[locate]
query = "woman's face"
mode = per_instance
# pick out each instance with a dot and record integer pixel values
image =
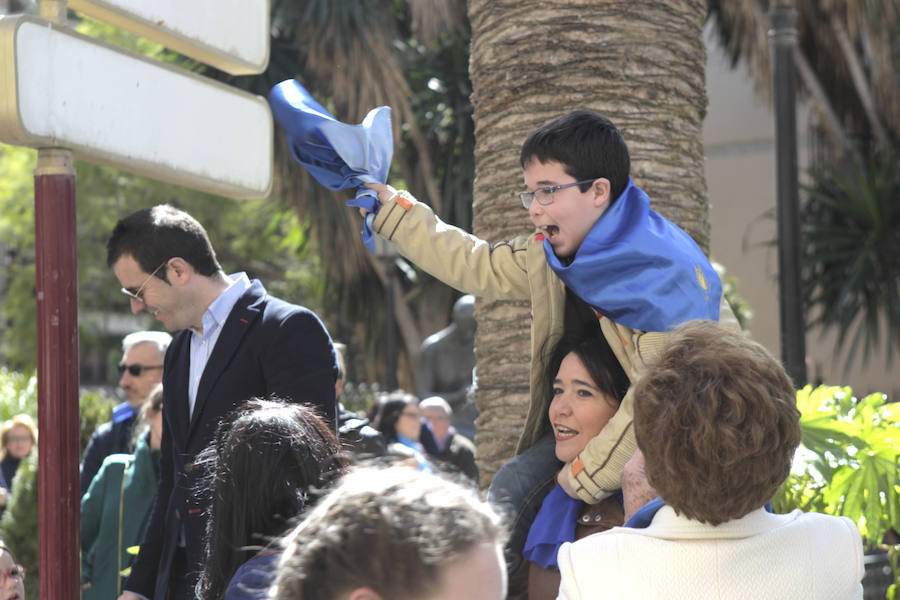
(578, 409)
(19, 442)
(409, 422)
(13, 582)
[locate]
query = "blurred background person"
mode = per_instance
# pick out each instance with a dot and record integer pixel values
(116, 507)
(141, 369)
(13, 576)
(400, 422)
(18, 436)
(453, 449)
(268, 461)
(716, 419)
(394, 534)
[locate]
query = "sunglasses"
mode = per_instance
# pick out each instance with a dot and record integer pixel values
(136, 370)
(14, 572)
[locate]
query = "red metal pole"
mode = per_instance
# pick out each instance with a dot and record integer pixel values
(56, 258)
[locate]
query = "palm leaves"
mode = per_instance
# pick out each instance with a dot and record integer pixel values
(849, 463)
(852, 253)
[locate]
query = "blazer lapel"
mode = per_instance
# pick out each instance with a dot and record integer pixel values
(236, 326)
(178, 395)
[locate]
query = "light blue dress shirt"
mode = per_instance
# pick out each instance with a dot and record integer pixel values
(213, 319)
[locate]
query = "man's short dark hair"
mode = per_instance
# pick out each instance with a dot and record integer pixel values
(391, 530)
(716, 418)
(587, 144)
(153, 235)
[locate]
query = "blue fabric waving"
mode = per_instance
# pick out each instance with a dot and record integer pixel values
(641, 270)
(338, 155)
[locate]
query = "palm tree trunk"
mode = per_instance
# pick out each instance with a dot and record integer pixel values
(642, 63)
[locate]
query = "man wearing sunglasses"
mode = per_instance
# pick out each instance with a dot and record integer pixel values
(232, 341)
(140, 370)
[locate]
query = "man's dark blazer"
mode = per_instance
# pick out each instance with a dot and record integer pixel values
(267, 347)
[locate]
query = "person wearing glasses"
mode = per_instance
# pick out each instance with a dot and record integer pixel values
(234, 341)
(13, 576)
(598, 254)
(18, 436)
(400, 422)
(140, 371)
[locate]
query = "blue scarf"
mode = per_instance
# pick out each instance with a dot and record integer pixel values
(639, 269)
(553, 526)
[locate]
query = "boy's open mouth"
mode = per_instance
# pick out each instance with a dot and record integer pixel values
(550, 230)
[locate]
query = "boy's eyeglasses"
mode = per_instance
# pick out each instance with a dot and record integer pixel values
(544, 196)
(14, 572)
(139, 294)
(136, 370)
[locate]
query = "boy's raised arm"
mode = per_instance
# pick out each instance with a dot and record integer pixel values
(454, 256)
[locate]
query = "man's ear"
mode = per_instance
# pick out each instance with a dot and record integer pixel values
(601, 189)
(179, 271)
(363, 593)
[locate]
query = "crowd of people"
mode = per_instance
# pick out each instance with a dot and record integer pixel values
(656, 435)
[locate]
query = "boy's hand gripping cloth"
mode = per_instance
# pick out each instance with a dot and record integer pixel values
(640, 270)
(338, 155)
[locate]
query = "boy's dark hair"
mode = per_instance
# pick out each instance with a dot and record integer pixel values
(587, 144)
(154, 235)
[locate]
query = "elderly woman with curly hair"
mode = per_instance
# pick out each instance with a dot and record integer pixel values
(715, 417)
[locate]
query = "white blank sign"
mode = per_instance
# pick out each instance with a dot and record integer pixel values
(232, 35)
(114, 107)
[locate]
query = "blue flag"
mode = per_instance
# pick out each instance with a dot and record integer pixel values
(338, 155)
(641, 270)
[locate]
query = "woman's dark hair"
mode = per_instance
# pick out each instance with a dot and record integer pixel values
(268, 461)
(389, 413)
(597, 357)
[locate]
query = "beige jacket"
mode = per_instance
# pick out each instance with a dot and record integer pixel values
(517, 270)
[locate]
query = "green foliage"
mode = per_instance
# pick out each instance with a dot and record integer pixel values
(849, 461)
(851, 263)
(18, 394)
(19, 524)
(93, 410)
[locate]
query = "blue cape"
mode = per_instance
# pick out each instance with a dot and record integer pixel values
(338, 155)
(641, 270)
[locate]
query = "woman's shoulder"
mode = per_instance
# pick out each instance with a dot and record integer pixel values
(252, 579)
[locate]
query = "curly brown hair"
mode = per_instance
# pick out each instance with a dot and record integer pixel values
(716, 418)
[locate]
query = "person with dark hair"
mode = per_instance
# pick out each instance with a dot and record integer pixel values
(116, 507)
(394, 534)
(585, 386)
(234, 342)
(13, 587)
(400, 422)
(268, 462)
(140, 371)
(717, 422)
(599, 257)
